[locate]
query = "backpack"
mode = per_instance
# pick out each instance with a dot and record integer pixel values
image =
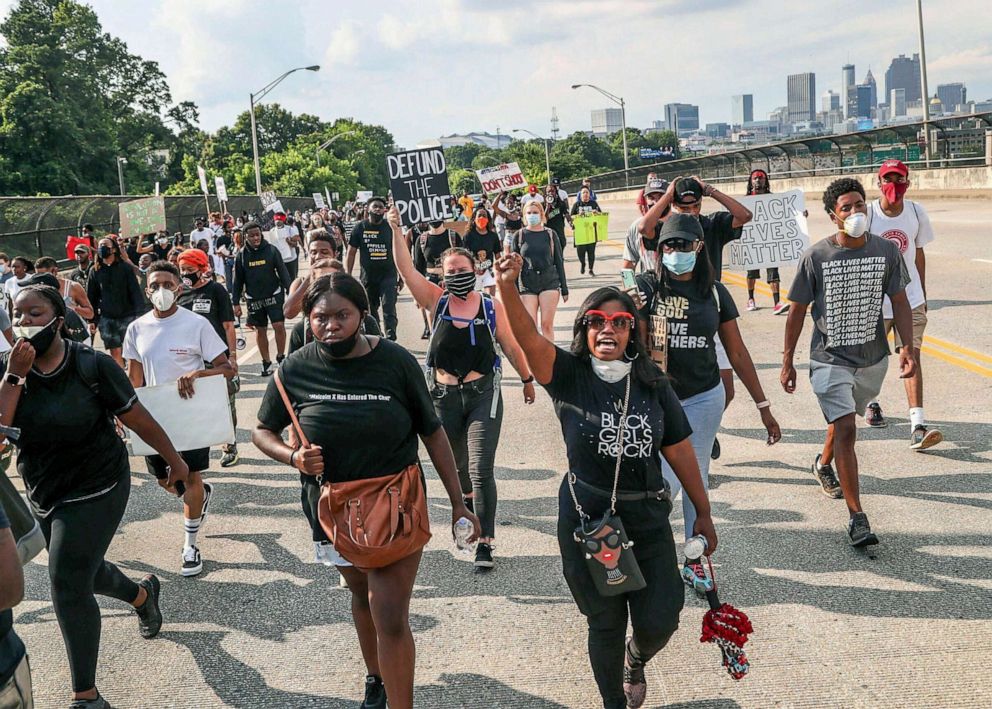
(75, 326)
(86, 365)
(519, 241)
(489, 308)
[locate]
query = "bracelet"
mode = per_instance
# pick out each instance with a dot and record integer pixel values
(766, 404)
(528, 380)
(291, 455)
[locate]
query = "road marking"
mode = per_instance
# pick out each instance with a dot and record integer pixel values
(982, 260)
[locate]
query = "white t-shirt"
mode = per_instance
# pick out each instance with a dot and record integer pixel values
(539, 198)
(909, 231)
(197, 234)
(634, 251)
(11, 289)
(279, 237)
(171, 347)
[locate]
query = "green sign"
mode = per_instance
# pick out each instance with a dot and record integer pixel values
(142, 216)
(591, 228)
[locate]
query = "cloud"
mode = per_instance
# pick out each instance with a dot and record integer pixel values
(343, 45)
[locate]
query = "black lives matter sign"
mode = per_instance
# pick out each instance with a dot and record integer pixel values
(418, 180)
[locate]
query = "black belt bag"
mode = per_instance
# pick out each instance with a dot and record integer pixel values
(604, 543)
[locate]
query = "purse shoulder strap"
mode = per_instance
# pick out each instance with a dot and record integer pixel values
(289, 409)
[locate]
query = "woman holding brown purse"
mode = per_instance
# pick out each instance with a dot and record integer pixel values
(373, 502)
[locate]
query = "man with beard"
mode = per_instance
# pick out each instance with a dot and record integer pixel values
(261, 275)
(373, 240)
(84, 266)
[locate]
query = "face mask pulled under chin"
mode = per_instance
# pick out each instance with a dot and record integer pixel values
(610, 371)
(341, 348)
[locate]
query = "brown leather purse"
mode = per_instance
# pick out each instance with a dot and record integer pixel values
(374, 522)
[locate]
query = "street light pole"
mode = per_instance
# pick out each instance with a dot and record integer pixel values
(547, 152)
(333, 138)
(252, 99)
(923, 81)
(120, 173)
(623, 120)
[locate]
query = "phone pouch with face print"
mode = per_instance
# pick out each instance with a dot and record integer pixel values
(609, 556)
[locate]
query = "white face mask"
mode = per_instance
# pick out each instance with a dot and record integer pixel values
(856, 225)
(162, 299)
(610, 371)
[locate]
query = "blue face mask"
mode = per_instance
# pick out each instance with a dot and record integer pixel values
(679, 262)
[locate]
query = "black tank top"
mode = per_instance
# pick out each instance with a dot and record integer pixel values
(461, 350)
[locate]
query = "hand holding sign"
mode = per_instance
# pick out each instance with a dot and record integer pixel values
(418, 181)
(393, 217)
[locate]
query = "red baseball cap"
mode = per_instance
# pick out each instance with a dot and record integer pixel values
(893, 166)
(279, 216)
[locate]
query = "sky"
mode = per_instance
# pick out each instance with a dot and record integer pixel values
(427, 68)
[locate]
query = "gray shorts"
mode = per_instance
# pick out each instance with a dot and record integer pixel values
(846, 390)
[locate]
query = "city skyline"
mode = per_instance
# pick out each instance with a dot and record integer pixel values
(214, 56)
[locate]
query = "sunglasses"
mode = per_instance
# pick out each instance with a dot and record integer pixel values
(597, 319)
(679, 245)
(611, 541)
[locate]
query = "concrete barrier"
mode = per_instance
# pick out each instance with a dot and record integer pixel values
(964, 182)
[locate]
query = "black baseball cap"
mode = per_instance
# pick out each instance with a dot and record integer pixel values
(681, 226)
(688, 191)
(376, 198)
(655, 185)
(39, 279)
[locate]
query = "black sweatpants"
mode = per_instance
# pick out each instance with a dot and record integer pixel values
(382, 291)
(587, 251)
(78, 535)
(653, 611)
(474, 436)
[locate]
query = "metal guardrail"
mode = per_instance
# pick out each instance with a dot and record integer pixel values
(38, 226)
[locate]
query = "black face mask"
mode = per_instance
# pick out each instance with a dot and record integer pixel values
(190, 279)
(435, 225)
(341, 348)
(42, 341)
(105, 252)
(375, 217)
(460, 284)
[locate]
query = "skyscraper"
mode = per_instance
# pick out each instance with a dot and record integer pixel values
(951, 96)
(847, 93)
(870, 81)
(682, 117)
(802, 97)
(606, 121)
(897, 103)
(864, 106)
(742, 109)
(830, 101)
(904, 73)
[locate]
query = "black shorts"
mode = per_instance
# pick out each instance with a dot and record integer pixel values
(262, 311)
(112, 331)
(198, 460)
(770, 273)
(536, 282)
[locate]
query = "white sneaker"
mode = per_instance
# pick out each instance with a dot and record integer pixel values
(31, 544)
(751, 305)
(192, 562)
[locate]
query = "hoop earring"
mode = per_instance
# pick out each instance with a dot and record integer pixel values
(626, 352)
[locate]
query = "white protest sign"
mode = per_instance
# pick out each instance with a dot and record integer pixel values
(201, 421)
(335, 195)
(418, 181)
(267, 198)
(501, 178)
(203, 178)
(318, 200)
(363, 196)
(776, 236)
(274, 207)
(221, 188)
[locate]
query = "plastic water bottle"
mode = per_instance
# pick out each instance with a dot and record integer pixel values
(463, 530)
(695, 547)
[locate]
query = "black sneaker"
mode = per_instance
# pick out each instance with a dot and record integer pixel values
(375, 693)
(873, 416)
(921, 439)
(266, 368)
(192, 562)
(860, 532)
(230, 457)
(98, 703)
(635, 685)
(715, 453)
(149, 614)
(483, 557)
(426, 334)
(208, 494)
(827, 479)
(391, 335)
(280, 358)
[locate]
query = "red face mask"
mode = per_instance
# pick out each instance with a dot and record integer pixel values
(894, 191)
(482, 222)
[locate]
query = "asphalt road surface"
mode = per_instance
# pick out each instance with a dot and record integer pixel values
(265, 627)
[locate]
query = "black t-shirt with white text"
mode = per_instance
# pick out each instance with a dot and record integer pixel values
(692, 323)
(484, 247)
(375, 249)
(365, 413)
(212, 302)
(69, 447)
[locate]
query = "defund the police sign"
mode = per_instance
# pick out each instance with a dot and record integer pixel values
(418, 180)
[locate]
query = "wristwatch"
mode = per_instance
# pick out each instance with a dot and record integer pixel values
(13, 379)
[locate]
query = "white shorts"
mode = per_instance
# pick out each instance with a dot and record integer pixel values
(722, 361)
(486, 280)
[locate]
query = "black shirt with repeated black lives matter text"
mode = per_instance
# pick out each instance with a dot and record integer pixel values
(591, 411)
(718, 231)
(375, 249)
(484, 247)
(846, 288)
(692, 321)
(365, 413)
(212, 302)
(69, 448)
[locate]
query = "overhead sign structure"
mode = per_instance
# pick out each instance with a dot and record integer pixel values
(501, 178)
(142, 216)
(649, 153)
(777, 234)
(418, 180)
(221, 188)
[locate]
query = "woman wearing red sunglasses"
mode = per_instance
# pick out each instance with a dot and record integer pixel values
(619, 416)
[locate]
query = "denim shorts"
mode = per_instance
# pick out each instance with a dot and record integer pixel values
(533, 282)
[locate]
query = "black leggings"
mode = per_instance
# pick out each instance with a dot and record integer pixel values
(474, 436)
(587, 250)
(78, 535)
(653, 611)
